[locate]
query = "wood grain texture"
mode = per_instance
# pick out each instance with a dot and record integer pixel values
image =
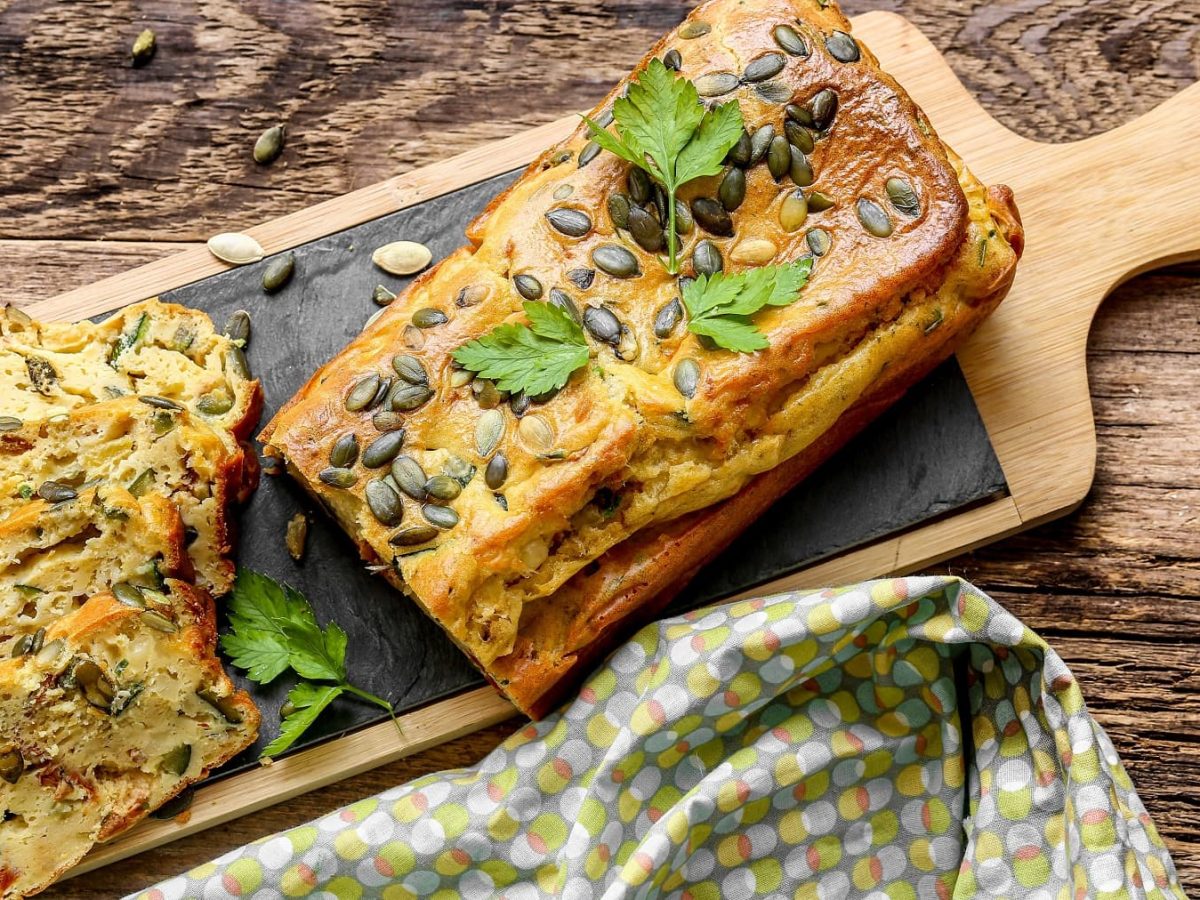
(91, 149)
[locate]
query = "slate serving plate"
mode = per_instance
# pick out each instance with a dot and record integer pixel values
(927, 456)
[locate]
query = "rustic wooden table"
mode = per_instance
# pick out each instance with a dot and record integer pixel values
(104, 167)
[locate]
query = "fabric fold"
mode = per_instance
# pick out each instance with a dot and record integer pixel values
(902, 738)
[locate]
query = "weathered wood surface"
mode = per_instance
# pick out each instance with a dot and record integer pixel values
(149, 158)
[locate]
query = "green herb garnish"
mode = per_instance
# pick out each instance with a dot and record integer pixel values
(536, 358)
(273, 629)
(664, 129)
(720, 306)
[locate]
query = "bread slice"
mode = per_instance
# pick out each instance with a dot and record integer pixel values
(117, 711)
(620, 453)
(148, 447)
(148, 348)
(53, 556)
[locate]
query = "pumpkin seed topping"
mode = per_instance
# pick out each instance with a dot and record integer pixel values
(618, 208)
(712, 216)
(668, 319)
(402, 257)
(439, 516)
(410, 537)
(800, 169)
(269, 145)
(687, 377)
(799, 136)
(12, 764)
(216, 403)
(563, 301)
(616, 261)
(822, 109)
(428, 317)
(410, 369)
(237, 328)
(645, 230)
(563, 191)
(794, 211)
(673, 60)
(790, 41)
(582, 278)
(766, 66)
(409, 476)
(760, 143)
(344, 452)
(873, 218)
(383, 449)
(471, 295)
(528, 287)
(443, 487)
(779, 157)
(406, 397)
(706, 259)
(602, 324)
(384, 503)
(902, 197)
(819, 202)
(716, 84)
(488, 432)
(536, 434)
(818, 241)
(56, 492)
(362, 394)
(732, 191)
(590, 151)
(338, 477)
(842, 47)
(693, 30)
(740, 154)
(571, 222)
(496, 472)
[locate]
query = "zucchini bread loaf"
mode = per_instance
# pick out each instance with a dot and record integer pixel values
(114, 710)
(530, 527)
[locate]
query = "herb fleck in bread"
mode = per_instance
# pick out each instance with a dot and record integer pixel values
(911, 252)
(53, 556)
(117, 711)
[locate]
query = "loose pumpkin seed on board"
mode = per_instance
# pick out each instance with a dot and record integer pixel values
(402, 257)
(235, 248)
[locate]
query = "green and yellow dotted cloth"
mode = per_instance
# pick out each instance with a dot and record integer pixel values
(902, 739)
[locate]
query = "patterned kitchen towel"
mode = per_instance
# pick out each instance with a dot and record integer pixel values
(906, 738)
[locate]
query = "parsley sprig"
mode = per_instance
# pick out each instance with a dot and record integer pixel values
(536, 358)
(273, 629)
(719, 306)
(664, 129)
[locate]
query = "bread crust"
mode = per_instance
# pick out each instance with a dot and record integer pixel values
(620, 426)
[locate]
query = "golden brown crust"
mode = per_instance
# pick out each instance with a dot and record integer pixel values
(620, 428)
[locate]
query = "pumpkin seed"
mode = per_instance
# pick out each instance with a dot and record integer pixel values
(460, 378)
(413, 339)
(21, 646)
(236, 362)
(269, 145)
(732, 191)
(443, 487)
(558, 158)
(215, 404)
(799, 136)
(410, 537)
(226, 706)
(235, 249)
(618, 209)
(471, 295)
(159, 622)
(50, 652)
(873, 218)
(383, 449)
(800, 170)
(818, 202)
(410, 369)
(428, 317)
(639, 186)
(402, 257)
(459, 469)
(237, 328)
(773, 91)
(646, 230)
(684, 222)
(344, 452)
(176, 762)
(439, 516)
(501, 501)
(387, 420)
(712, 216)
(384, 503)
(563, 191)
(692, 30)
(571, 222)
(94, 685)
(935, 320)
(706, 259)
(842, 47)
(822, 109)
(129, 595)
(590, 151)
(38, 639)
(42, 374)
(519, 404)
(486, 393)
(405, 397)
(410, 477)
(602, 324)
(536, 434)
(902, 196)
(616, 261)
(12, 764)
(563, 301)
(528, 287)
(140, 485)
(160, 402)
(496, 472)
(627, 347)
(382, 296)
(740, 154)
(687, 377)
(801, 115)
(760, 143)
(295, 536)
(790, 41)
(756, 251)
(794, 211)
(779, 157)
(715, 84)
(143, 48)
(673, 60)
(582, 278)
(818, 241)
(362, 394)
(668, 318)
(56, 492)
(337, 476)
(488, 431)
(9, 423)
(766, 66)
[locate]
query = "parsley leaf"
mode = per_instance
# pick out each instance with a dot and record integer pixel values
(536, 358)
(663, 128)
(309, 701)
(273, 629)
(720, 306)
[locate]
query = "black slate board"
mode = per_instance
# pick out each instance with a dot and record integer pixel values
(927, 456)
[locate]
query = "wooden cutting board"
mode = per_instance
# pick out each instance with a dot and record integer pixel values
(1093, 219)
